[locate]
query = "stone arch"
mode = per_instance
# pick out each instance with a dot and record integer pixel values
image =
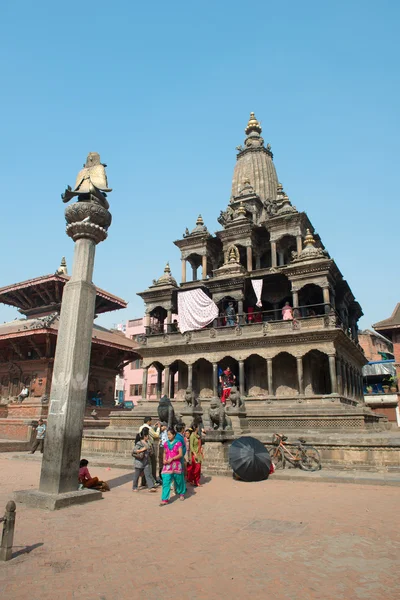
(179, 380)
(276, 291)
(222, 306)
(284, 248)
(316, 373)
(158, 316)
(255, 369)
(203, 378)
(195, 260)
(284, 375)
(311, 300)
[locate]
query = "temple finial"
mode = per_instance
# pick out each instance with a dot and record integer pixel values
(253, 125)
(62, 269)
(309, 239)
(167, 268)
(199, 220)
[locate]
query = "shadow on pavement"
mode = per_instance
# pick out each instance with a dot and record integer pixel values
(26, 549)
(121, 480)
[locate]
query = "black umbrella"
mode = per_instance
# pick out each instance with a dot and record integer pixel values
(249, 459)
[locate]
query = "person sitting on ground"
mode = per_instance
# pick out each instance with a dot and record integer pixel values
(172, 469)
(40, 435)
(93, 483)
(141, 454)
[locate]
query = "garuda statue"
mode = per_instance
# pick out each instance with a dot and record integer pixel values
(91, 182)
(218, 417)
(166, 412)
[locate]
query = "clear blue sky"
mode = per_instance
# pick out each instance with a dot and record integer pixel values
(163, 91)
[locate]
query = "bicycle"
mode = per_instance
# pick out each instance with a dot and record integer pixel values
(306, 457)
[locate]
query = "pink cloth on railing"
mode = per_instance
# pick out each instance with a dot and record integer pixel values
(257, 287)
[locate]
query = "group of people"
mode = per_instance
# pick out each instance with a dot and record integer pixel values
(178, 452)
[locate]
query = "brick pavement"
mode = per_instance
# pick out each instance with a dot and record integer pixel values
(290, 540)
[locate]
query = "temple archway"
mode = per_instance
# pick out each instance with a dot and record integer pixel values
(316, 373)
(255, 369)
(284, 375)
(157, 317)
(284, 248)
(195, 260)
(203, 378)
(179, 379)
(311, 300)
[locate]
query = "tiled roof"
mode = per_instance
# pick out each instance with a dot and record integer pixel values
(391, 322)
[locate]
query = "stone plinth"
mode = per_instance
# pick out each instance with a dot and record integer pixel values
(38, 499)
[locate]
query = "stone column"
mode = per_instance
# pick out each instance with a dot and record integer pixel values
(215, 380)
(169, 320)
(166, 381)
(194, 273)
(299, 243)
(147, 324)
(190, 376)
(295, 298)
(159, 383)
(183, 276)
(204, 267)
(269, 374)
(339, 376)
(144, 383)
(241, 319)
(332, 373)
(344, 379)
(274, 258)
(327, 299)
(258, 261)
(241, 378)
(300, 377)
(62, 449)
(249, 253)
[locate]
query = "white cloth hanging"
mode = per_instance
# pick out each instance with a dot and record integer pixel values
(257, 287)
(195, 310)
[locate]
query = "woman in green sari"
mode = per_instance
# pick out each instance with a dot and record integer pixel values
(195, 458)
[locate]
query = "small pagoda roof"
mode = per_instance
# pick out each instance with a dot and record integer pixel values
(387, 325)
(24, 328)
(42, 295)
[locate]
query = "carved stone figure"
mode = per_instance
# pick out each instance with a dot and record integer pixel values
(166, 411)
(218, 417)
(190, 398)
(91, 181)
(235, 398)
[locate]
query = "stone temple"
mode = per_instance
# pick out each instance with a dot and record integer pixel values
(292, 345)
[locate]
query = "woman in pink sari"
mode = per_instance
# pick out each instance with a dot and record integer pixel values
(172, 470)
(287, 312)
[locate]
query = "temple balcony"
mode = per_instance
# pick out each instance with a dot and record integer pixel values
(252, 325)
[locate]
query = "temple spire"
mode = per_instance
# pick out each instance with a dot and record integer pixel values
(62, 269)
(253, 125)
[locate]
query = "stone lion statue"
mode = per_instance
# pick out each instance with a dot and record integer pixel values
(166, 412)
(218, 417)
(235, 398)
(190, 398)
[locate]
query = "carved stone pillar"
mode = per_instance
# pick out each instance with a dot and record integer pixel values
(183, 276)
(194, 273)
(327, 299)
(204, 267)
(339, 376)
(300, 377)
(344, 379)
(159, 383)
(215, 380)
(241, 377)
(169, 320)
(299, 243)
(241, 319)
(190, 376)
(332, 373)
(144, 383)
(270, 390)
(295, 298)
(166, 381)
(258, 261)
(274, 258)
(147, 324)
(249, 253)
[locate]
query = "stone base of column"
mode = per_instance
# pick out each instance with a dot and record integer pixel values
(37, 499)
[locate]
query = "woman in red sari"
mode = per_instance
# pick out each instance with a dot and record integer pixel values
(195, 457)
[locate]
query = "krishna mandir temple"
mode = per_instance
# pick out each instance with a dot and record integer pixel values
(264, 297)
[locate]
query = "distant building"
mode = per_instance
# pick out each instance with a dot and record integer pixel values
(375, 346)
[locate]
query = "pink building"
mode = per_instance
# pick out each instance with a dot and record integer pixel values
(133, 373)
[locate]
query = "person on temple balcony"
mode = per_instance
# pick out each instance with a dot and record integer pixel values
(287, 312)
(258, 316)
(175, 326)
(230, 315)
(227, 380)
(250, 315)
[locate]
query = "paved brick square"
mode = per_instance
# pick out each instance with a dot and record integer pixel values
(292, 540)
